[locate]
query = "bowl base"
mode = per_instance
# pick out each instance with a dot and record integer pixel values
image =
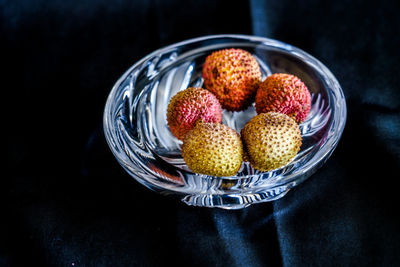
(235, 201)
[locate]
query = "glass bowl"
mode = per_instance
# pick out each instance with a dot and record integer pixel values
(136, 128)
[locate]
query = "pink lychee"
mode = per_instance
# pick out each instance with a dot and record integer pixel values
(189, 106)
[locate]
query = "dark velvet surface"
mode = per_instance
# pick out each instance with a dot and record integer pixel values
(65, 201)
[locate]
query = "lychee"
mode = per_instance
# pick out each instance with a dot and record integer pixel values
(271, 140)
(190, 105)
(213, 149)
(284, 93)
(233, 75)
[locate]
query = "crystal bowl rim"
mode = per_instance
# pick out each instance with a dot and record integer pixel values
(322, 154)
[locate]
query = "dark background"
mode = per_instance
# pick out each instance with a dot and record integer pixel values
(65, 201)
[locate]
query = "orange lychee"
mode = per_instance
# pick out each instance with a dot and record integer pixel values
(233, 75)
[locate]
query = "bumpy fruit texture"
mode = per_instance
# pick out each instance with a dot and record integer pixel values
(233, 75)
(284, 93)
(213, 149)
(189, 106)
(271, 140)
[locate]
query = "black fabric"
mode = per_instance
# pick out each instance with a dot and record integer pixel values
(65, 201)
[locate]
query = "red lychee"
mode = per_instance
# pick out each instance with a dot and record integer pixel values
(189, 106)
(284, 93)
(233, 75)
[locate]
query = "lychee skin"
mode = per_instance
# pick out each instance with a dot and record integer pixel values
(233, 75)
(213, 149)
(271, 140)
(284, 93)
(189, 106)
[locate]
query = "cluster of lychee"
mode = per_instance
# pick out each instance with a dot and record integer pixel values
(233, 81)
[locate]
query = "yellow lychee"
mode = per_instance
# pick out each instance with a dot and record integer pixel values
(271, 140)
(213, 149)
